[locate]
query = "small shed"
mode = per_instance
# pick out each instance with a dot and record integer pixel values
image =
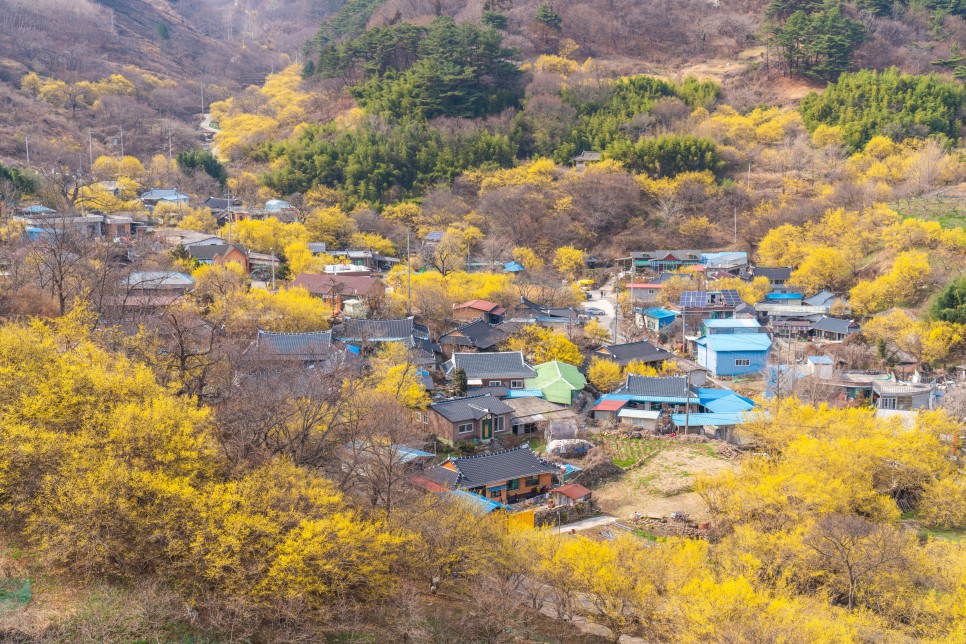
(570, 494)
(820, 366)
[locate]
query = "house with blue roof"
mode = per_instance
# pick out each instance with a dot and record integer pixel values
(784, 298)
(734, 354)
(654, 319)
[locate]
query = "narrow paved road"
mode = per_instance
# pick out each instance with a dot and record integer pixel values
(586, 524)
(605, 304)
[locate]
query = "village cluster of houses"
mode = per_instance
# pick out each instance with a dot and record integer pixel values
(508, 401)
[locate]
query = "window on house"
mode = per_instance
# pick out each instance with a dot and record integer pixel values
(499, 424)
(887, 403)
(495, 494)
(532, 481)
(742, 362)
(514, 484)
(516, 384)
(527, 428)
(495, 383)
(466, 428)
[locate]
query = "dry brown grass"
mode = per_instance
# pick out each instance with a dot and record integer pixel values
(663, 485)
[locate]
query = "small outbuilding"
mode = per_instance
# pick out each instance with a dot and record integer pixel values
(570, 494)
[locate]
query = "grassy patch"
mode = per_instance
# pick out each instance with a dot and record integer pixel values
(947, 535)
(626, 452)
(537, 444)
(949, 212)
(647, 536)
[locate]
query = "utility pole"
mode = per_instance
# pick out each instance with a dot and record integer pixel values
(26, 141)
(229, 216)
(409, 276)
(684, 341)
(169, 145)
(687, 403)
(617, 317)
(736, 224)
(90, 145)
(121, 129)
(273, 269)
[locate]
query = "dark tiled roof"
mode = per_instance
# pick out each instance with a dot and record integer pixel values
(833, 325)
(477, 471)
(294, 346)
(547, 311)
(657, 386)
(353, 330)
(209, 251)
(477, 334)
(480, 366)
(625, 353)
(443, 476)
(470, 408)
(772, 273)
(220, 203)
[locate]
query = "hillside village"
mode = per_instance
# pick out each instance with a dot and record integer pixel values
(492, 321)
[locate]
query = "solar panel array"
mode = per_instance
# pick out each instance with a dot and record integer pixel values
(731, 297)
(692, 299)
(699, 299)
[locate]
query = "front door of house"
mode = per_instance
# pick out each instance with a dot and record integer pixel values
(487, 428)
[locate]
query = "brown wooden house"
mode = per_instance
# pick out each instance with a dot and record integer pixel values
(479, 309)
(335, 288)
(470, 418)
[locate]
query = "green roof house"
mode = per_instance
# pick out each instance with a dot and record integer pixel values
(558, 381)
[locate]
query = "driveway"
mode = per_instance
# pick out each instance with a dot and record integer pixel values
(605, 304)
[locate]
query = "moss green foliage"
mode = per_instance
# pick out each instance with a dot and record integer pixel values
(379, 165)
(606, 117)
(816, 40)
(203, 160)
(897, 105)
(21, 182)
(447, 69)
(669, 155)
(950, 306)
(349, 21)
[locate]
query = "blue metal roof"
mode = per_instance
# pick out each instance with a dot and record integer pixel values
(724, 401)
(699, 420)
(736, 342)
(514, 267)
(658, 313)
(524, 393)
(476, 501)
(783, 296)
(820, 360)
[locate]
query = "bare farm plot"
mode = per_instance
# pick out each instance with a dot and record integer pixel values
(660, 479)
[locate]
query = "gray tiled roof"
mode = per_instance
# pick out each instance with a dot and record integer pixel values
(295, 346)
(657, 386)
(470, 408)
(625, 353)
(477, 471)
(353, 330)
(480, 366)
(477, 334)
(822, 298)
(773, 273)
(833, 325)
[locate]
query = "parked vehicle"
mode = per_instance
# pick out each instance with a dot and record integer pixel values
(593, 310)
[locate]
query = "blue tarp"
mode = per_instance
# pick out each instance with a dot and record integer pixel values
(513, 267)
